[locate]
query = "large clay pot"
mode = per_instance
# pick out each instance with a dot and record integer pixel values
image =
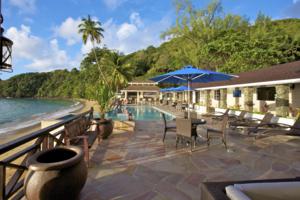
(106, 127)
(59, 173)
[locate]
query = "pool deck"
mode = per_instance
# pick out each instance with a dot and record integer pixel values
(135, 164)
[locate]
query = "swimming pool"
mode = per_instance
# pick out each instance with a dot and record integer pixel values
(147, 113)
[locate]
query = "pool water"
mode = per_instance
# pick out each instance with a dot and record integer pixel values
(138, 113)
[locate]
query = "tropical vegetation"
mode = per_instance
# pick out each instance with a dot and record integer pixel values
(206, 38)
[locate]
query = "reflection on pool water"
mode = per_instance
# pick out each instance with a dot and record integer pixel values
(138, 113)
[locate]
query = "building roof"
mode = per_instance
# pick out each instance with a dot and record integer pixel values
(142, 88)
(142, 81)
(273, 74)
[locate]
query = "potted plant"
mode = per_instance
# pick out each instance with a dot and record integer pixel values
(105, 96)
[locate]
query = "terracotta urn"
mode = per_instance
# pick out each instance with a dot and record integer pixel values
(106, 127)
(59, 173)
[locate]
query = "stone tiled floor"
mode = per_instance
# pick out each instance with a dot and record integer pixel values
(137, 165)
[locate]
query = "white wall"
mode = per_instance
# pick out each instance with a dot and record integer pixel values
(230, 98)
(294, 100)
(241, 100)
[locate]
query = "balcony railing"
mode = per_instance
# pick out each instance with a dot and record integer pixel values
(14, 155)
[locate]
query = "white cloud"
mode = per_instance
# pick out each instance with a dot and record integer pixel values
(136, 19)
(41, 55)
(25, 45)
(69, 30)
(53, 59)
(24, 5)
(86, 48)
(127, 37)
(126, 30)
(113, 4)
(135, 34)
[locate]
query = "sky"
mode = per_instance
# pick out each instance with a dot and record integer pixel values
(45, 32)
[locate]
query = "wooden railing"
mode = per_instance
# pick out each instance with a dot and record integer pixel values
(14, 155)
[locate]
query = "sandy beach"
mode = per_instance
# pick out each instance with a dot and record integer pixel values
(4, 138)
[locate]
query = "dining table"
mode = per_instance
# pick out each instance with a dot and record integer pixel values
(196, 122)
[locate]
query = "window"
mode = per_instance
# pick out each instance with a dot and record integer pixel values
(237, 93)
(217, 95)
(266, 93)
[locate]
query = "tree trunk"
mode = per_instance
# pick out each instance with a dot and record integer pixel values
(102, 116)
(97, 61)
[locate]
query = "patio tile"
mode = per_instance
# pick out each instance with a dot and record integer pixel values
(280, 166)
(148, 196)
(137, 165)
(170, 191)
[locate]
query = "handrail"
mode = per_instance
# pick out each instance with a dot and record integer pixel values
(24, 139)
(12, 187)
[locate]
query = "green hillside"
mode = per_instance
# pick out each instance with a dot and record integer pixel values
(232, 52)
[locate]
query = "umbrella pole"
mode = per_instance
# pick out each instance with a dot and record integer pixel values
(188, 107)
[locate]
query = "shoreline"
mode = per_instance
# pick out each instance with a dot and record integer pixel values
(9, 136)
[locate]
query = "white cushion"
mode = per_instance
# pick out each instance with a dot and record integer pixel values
(271, 191)
(235, 194)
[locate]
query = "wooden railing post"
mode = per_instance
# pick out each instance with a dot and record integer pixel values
(2, 182)
(50, 142)
(45, 143)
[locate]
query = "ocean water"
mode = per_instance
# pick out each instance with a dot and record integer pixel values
(20, 113)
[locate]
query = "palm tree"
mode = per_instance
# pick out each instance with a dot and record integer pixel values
(93, 31)
(120, 73)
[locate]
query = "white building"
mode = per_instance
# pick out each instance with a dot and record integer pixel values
(273, 89)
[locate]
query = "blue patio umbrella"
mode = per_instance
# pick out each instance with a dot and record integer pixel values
(190, 74)
(182, 88)
(167, 89)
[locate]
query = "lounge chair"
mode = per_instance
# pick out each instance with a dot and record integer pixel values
(295, 129)
(219, 190)
(216, 115)
(279, 129)
(218, 133)
(240, 117)
(253, 124)
(167, 127)
(184, 132)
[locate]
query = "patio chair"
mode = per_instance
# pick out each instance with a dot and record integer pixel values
(166, 126)
(220, 117)
(253, 125)
(218, 133)
(184, 131)
(193, 115)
